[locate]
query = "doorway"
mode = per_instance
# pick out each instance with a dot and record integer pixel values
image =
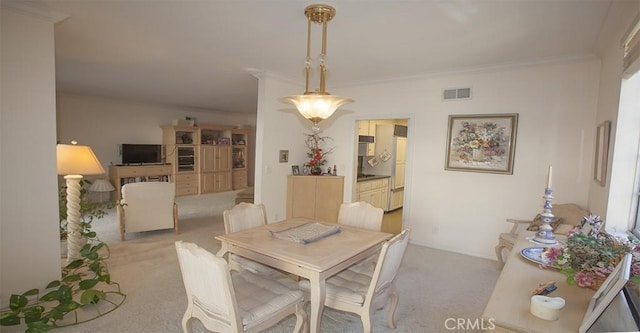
(381, 168)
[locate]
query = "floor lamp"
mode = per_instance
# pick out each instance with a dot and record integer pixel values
(74, 161)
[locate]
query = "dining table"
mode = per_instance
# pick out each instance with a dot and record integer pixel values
(316, 260)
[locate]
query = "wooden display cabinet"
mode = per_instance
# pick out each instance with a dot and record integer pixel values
(215, 158)
(180, 149)
(239, 155)
(215, 168)
(179, 135)
(207, 158)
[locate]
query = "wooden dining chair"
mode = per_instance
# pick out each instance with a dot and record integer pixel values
(361, 215)
(238, 302)
(361, 290)
(244, 216)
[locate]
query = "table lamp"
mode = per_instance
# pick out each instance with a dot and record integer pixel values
(101, 186)
(73, 162)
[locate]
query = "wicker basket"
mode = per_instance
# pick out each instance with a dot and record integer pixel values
(598, 282)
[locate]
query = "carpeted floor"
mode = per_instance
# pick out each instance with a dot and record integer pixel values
(434, 285)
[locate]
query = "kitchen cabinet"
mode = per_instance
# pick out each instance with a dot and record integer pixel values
(397, 199)
(315, 197)
(401, 158)
(363, 127)
(368, 128)
(374, 192)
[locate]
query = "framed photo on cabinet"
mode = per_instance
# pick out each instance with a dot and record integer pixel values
(482, 143)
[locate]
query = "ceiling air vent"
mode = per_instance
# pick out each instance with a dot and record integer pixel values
(460, 93)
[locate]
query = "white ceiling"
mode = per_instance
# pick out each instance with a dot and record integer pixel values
(196, 53)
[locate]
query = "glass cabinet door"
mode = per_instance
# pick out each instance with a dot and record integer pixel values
(186, 159)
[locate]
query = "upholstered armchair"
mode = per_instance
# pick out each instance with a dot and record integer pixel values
(147, 206)
(566, 217)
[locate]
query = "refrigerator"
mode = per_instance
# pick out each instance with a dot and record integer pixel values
(390, 160)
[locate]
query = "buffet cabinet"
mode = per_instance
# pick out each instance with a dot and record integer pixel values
(315, 197)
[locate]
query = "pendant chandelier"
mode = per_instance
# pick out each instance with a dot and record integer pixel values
(317, 105)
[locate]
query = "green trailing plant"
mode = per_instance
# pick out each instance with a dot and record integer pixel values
(85, 290)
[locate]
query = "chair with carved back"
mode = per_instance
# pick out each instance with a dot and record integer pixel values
(362, 289)
(244, 216)
(360, 215)
(226, 301)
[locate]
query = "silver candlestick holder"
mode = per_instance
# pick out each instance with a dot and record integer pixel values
(545, 234)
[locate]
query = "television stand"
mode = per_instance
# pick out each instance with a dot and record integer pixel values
(124, 174)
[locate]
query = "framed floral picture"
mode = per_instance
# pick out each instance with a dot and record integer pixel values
(482, 143)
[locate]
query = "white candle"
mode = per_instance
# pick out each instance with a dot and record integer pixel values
(549, 177)
(547, 308)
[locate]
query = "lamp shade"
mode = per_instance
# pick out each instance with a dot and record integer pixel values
(101, 185)
(77, 160)
(316, 107)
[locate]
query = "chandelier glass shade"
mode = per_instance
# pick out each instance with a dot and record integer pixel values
(317, 105)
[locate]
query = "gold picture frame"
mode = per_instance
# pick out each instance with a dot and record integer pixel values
(482, 143)
(602, 153)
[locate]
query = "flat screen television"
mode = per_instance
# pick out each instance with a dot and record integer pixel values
(141, 153)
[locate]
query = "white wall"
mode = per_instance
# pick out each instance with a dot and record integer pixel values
(615, 199)
(104, 123)
(461, 211)
(277, 129)
(29, 236)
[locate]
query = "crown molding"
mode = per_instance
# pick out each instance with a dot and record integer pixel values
(479, 69)
(34, 9)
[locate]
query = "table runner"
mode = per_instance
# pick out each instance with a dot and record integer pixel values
(306, 233)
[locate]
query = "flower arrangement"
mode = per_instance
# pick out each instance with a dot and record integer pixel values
(587, 260)
(488, 138)
(316, 154)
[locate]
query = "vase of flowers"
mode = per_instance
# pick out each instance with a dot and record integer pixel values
(587, 260)
(316, 152)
